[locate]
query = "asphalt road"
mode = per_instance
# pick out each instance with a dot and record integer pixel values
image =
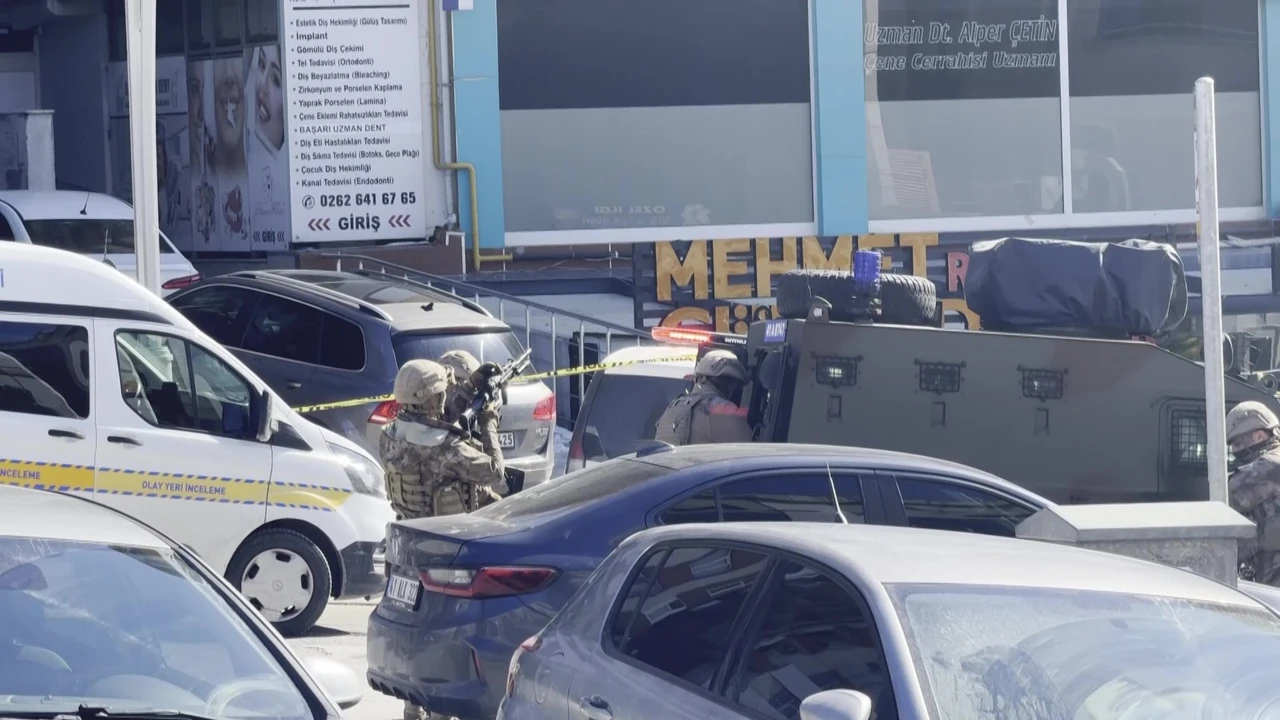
(340, 635)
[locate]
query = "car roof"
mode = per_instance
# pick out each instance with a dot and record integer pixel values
(32, 513)
(66, 205)
(45, 275)
(643, 355)
(401, 301)
(710, 455)
(895, 555)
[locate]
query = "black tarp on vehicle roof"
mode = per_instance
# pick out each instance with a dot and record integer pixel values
(1135, 287)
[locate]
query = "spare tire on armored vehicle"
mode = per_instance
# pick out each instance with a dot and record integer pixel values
(904, 299)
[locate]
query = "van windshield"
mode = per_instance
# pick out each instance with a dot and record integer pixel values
(88, 236)
(608, 433)
(130, 628)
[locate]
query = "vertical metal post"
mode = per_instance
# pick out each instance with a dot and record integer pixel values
(140, 34)
(1211, 288)
(528, 330)
(582, 362)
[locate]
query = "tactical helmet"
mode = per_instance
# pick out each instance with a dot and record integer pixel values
(462, 363)
(1248, 417)
(420, 380)
(721, 364)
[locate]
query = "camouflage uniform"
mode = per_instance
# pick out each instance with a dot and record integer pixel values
(432, 467)
(1254, 488)
(705, 414)
(461, 390)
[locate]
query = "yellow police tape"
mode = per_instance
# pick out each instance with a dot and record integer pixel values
(566, 372)
(154, 485)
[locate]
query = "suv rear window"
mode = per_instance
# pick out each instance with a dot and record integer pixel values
(573, 490)
(498, 347)
(87, 235)
(645, 398)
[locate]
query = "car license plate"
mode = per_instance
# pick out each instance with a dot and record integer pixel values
(403, 589)
(507, 440)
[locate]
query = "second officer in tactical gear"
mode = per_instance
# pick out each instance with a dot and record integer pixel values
(433, 466)
(461, 391)
(1253, 436)
(708, 412)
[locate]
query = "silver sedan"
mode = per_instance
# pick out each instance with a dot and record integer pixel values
(848, 622)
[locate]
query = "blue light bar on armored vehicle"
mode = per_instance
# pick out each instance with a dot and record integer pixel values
(866, 270)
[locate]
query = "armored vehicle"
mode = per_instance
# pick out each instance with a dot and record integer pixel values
(1061, 398)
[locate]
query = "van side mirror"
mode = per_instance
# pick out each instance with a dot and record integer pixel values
(836, 705)
(260, 410)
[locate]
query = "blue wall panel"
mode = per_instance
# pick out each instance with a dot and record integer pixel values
(1270, 41)
(477, 124)
(840, 118)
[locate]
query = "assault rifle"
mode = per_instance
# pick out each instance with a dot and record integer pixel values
(494, 390)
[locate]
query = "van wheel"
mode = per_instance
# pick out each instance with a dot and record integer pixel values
(285, 576)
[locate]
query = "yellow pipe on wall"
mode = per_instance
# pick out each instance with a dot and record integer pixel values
(476, 258)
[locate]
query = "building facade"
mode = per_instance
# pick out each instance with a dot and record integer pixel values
(723, 141)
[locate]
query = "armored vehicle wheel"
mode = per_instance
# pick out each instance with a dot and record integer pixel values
(908, 300)
(904, 299)
(798, 288)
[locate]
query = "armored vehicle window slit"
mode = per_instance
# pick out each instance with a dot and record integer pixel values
(940, 377)
(1189, 440)
(836, 371)
(1039, 384)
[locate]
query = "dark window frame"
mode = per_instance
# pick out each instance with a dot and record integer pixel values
(242, 318)
(605, 638)
(872, 512)
(364, 344)
(896, 506)
(248, 437)
(277, 296)
(760, 611)
(61, 323)
(748, 623)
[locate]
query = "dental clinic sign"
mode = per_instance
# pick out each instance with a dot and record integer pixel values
(941, 52)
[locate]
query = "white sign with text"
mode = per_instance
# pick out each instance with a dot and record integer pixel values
(356, 165)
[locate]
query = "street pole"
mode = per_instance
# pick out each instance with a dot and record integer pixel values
(140, 29)
(1215, 374)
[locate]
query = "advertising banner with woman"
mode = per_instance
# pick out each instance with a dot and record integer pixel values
(238, 172)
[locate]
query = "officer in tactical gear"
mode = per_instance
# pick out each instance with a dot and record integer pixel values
(708, 412)
(461, 391)
(433, 466)
(1253, 436)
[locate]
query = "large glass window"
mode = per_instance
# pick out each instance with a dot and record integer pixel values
(630, 114)
(965, 105)
(1133, 67)
(962, 108)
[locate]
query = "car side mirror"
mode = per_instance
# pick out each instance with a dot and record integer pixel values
(836, 705)
(261, 412)
(337, 680)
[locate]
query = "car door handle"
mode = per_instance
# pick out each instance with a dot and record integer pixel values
(595, 708)
(69, 434)
(122, 440)
(292, 384)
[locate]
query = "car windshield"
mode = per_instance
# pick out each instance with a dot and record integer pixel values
(496, 347)
(89, 236)
(131, 629)
(609, 433)
(1022, 653)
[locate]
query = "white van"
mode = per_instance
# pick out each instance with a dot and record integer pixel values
(91, 224)
(107, 392)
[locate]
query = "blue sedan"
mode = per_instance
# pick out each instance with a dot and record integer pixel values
(464, 591)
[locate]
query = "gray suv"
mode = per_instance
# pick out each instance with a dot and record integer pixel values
(323, 337)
